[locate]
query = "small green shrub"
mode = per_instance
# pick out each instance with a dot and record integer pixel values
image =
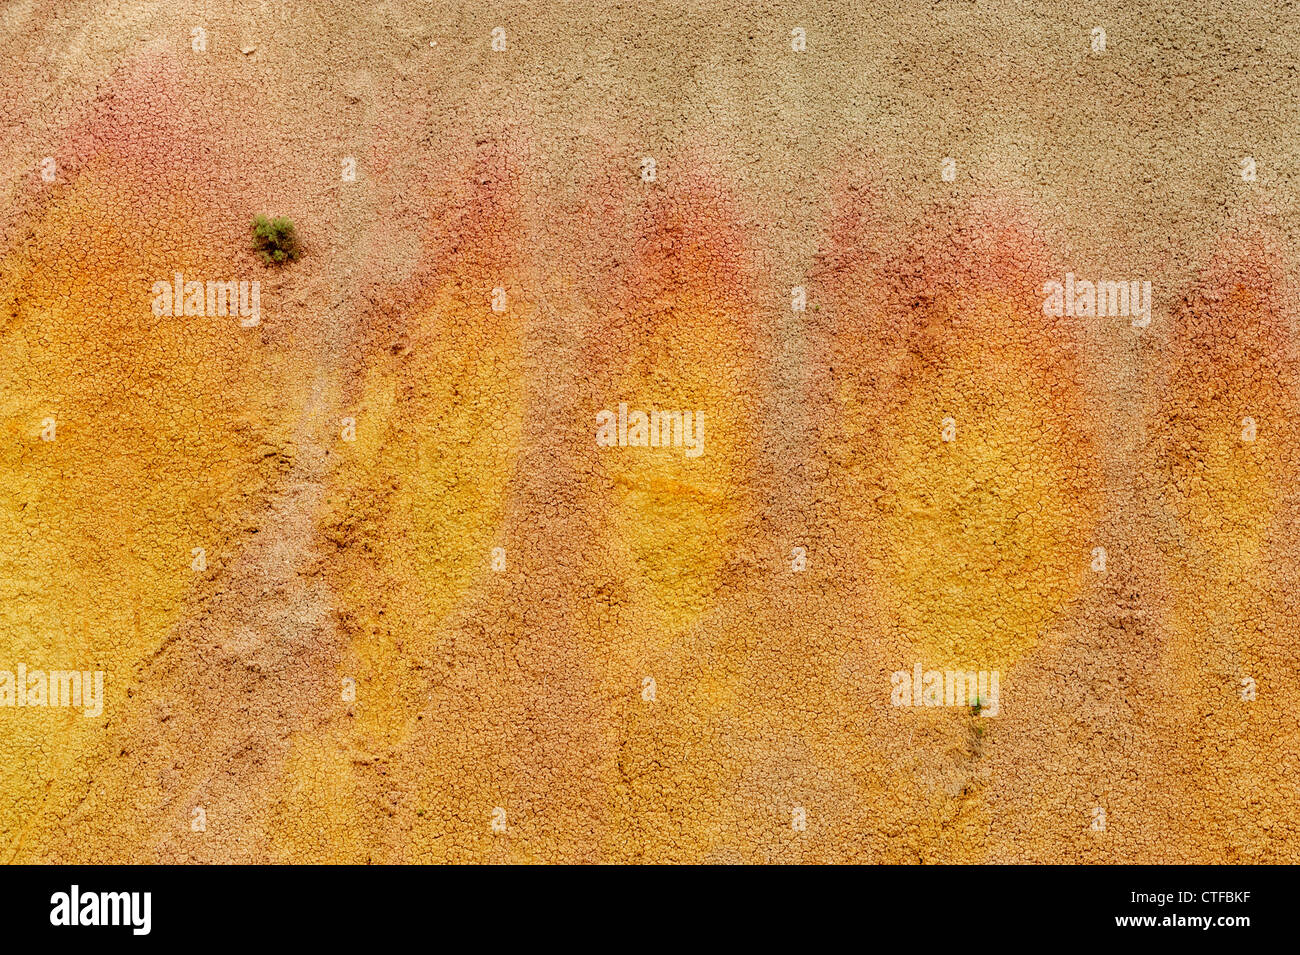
(275, 240)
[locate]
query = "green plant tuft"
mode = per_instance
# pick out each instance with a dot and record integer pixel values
(275, 240)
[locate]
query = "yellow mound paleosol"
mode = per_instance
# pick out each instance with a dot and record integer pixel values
(976, 486)
(437, 440)
(681, 341)
(1225, 419)
(164, 429)
(416, 512)
(1224, 432)
(1222, 439)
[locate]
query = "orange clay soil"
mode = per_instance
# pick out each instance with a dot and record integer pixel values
(364, 577)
